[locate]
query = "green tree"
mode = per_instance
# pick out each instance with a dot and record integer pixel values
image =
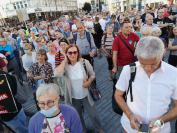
(87, 7)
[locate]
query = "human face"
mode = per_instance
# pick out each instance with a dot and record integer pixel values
(160, 13)
(63, 46)
(72, 54)
(150, 65)
(41, 58)
(58, 35)
(51, 47)
(109, 30)
(175, 31)
(149, 20)
(48, 100)
(127, 28)
(3, 43)
(80, 28)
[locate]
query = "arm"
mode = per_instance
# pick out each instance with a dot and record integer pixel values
(121, 102)
(93, 47)
(172, 114)
(114, 59)
(171, 47)
(60, 69)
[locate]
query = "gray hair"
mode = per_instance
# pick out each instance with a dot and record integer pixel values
(150, 47)
(46, 88)
(156, 30)
(146, 30)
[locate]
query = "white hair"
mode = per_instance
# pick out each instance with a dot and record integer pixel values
(146, 30)
(148, 15)
(46, 88)
(150, 47)
(156, 30)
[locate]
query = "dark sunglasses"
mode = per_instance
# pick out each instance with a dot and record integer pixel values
(74, 52)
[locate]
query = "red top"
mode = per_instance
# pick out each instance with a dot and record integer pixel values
(124, 56)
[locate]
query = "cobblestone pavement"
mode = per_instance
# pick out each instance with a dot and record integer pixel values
(110, 121)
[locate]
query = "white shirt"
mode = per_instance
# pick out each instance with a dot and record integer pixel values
(151, 96)
(103, 24)
(28, 60)
(51, 60)
(76, 77)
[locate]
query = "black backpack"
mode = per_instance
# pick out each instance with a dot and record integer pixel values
(115, 106)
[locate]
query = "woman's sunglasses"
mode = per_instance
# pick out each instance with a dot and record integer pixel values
(74, 52)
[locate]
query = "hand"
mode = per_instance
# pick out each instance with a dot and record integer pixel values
(114, 70)
(155, 128)
(7, 53)
(30, 75)
(86, 83)
(92, 54)
(135, 122)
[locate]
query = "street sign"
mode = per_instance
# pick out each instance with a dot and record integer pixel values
(22, 15)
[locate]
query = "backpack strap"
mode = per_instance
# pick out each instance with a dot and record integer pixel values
(75, 37)
(132, 78)
(88, 38)
(105, 37)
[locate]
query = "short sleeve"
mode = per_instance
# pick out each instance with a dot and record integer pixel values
(174, 96)
(115, 46)
(123, 81)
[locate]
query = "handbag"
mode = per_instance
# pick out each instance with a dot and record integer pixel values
(93, 90)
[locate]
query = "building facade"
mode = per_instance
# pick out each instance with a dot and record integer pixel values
(8, 8)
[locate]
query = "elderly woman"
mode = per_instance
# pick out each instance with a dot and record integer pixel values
(41, 71)
(146, 31)
(73, 68)
(29, 58)
(51, 53)
(53, 117)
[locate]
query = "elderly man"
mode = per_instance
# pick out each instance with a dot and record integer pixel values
(152, 90)
(84, 40)
(53, 117)
(149, 21)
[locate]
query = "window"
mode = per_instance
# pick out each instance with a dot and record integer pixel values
(26, 5)
(21, 6)
(15, 7)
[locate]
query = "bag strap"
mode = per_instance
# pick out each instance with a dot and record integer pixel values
(85, 67)
(126, 45)
(132, 78)
(88, 39)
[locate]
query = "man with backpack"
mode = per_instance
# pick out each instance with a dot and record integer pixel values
(84, 40)
(145, 100)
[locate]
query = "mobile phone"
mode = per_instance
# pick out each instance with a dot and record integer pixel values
(144, 128)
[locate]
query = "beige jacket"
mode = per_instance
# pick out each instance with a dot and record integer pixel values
(62, 70)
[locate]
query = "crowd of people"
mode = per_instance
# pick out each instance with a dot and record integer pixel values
(55, 59)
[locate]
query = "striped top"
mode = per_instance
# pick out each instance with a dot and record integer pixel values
(59, 57)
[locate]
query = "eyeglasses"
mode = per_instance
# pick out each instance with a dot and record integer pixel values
(49, 103)
(74, 52)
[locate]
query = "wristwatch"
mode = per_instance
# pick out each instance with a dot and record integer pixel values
(159, 123)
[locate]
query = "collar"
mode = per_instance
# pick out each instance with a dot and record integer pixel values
(162, 66)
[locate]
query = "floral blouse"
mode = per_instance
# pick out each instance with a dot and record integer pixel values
(45, 69)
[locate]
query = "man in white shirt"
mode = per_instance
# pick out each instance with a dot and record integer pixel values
(154, 86)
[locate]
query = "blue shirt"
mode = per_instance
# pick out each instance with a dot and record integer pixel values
(7, 48)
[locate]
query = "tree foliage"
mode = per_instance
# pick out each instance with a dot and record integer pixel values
(87, 7)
